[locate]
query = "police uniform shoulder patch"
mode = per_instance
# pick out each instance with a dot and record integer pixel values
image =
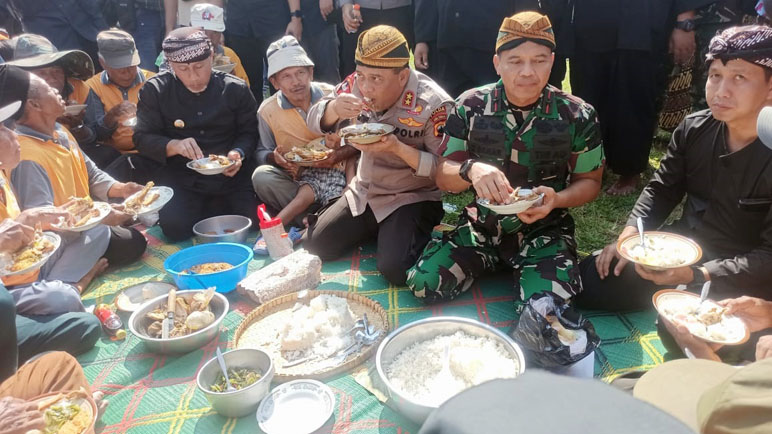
(408, 99)
(438, 118)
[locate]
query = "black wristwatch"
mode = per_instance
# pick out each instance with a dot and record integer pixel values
(685, 25)
(463, 171)
(297, 14)
(698, 277)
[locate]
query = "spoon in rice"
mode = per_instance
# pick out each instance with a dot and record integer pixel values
(639, 222)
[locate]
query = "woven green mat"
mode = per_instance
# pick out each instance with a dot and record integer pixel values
(150, 393)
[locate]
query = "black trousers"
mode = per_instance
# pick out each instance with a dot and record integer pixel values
(401, 18)
(126, 246)
(402, 236)
(251, 51)
(134, 168)
(459, 68)
(624, 87)
(188, 207)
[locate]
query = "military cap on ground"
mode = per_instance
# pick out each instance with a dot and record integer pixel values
(382, 47)
(525, 26)
(35, 51)
(751, 43)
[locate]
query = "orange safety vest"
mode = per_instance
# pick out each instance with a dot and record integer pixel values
(66, 168)
(111, 95)
(9, 209)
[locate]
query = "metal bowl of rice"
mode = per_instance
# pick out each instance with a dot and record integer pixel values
(426, 362)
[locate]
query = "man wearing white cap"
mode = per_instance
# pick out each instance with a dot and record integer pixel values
(282, 184)
(210, 18)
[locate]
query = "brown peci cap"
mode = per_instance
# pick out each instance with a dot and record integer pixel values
(382, 47)
(525, 26)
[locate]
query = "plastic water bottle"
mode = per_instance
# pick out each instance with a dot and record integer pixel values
(111, 323)
(276, 240)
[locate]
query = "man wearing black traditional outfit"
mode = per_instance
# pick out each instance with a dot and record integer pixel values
(191, 112)
(716, 160)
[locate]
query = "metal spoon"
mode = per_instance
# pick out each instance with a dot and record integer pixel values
(639, 221)
(704, 292)
(221, 361)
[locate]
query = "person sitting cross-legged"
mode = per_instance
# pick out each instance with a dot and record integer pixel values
(282, 184)
(53, 170)
(393, 196)
(716, 161)
(518, 132)
(189, 113)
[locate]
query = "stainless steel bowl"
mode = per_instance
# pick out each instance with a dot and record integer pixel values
(213, 229)
(184, 344)
(241, 402)
(426, 329)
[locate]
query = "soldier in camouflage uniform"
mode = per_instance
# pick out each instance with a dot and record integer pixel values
(515, 133)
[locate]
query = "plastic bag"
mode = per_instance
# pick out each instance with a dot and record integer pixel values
(552, 334)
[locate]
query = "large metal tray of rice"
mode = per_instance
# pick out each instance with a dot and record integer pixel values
(426, 362)
(315, 324)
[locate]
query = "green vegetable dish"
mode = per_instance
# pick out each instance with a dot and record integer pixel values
(240, 378)
(57, 415)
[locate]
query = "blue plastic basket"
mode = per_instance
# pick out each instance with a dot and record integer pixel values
(224, 281)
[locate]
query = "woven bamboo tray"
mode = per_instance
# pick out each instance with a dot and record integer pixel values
(259, 330)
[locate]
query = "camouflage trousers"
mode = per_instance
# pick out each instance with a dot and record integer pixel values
(542, 256)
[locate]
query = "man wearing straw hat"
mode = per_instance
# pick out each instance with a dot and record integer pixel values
(393, 196)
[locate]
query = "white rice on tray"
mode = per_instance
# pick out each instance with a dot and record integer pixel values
(416, 372)
(317, 329)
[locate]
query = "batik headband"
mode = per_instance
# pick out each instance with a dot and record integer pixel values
(749, 43)
(192, 48)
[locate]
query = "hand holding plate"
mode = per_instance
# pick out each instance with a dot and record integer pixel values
(234, 156)
(537, 213)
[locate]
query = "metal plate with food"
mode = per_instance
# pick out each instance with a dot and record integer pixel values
(706, 320)
(663, 250)
(30, 257)
(316, 150)
(520, 200)
(86, 214)
(75, 109)
(74, 412)
(196, 320)
(365, 134)
(281, 410)
(211, 165)
(314, 334)
(132, 297)
(148, 200)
